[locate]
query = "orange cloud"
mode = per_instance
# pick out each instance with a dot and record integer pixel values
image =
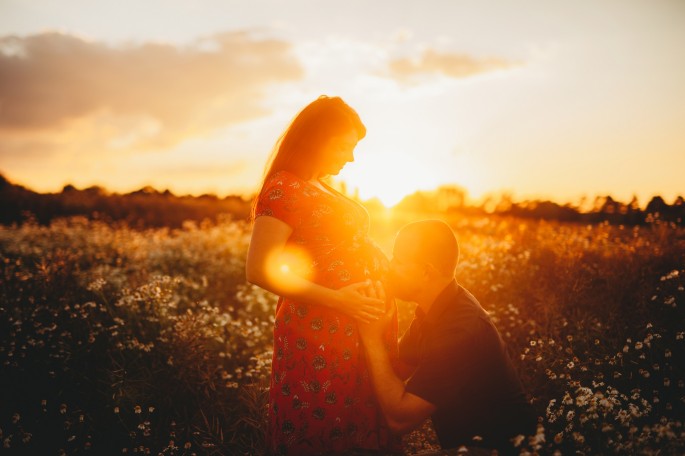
(140, 96)
(451, 65)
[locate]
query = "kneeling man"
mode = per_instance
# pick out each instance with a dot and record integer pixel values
(459, 371)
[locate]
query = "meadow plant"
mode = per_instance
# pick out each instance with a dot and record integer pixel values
(118, 341)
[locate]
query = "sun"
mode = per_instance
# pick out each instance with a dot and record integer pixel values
(387, 177)
(391, 163)
(392, 174)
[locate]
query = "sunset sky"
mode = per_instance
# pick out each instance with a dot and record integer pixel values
(541, 99)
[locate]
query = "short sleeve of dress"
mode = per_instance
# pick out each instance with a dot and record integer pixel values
(281, 198)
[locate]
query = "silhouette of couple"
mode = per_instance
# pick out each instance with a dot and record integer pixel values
(341, 383)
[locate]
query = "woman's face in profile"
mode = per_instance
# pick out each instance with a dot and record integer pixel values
(339, 151)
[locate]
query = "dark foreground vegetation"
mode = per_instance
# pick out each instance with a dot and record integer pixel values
(116, 340)
(126, 325)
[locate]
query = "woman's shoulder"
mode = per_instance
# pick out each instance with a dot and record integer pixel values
(283, 178)
(282, 185)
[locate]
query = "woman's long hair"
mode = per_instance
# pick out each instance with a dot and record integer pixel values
(299, 149)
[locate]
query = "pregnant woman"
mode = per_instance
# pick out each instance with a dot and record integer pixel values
(310, 246)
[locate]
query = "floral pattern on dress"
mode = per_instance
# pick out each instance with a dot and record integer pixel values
(321, 396)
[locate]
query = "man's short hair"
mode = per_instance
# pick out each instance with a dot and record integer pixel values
(430, 241)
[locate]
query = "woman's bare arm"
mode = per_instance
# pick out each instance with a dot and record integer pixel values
(267, 267)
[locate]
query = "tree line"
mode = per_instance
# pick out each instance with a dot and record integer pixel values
(148, 207)
(602, 209)
(143, 208)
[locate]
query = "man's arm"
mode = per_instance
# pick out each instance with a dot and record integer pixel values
(403, 411)
(403, 370)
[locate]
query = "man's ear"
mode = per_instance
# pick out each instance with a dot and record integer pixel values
(429, 270)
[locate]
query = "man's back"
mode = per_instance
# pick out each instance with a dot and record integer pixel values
(463, 368)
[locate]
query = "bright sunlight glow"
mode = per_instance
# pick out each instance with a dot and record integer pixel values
(390, 176)
(380, 176)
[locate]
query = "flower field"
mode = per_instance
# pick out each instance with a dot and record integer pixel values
(123, 341)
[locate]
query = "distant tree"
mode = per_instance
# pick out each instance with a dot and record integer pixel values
(505, 203)
(95, 190)
(450, 197)
(606, 205)
(656, 208)
(634, 214)
(417, 201)
(146, 191)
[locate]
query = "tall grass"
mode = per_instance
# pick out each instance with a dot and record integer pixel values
(114, 340)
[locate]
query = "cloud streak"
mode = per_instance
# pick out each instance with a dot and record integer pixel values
(142, 96)
(452, 65)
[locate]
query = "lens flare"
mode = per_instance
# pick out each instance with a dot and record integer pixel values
(284, 265)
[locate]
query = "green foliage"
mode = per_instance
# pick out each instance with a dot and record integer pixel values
(118, 340)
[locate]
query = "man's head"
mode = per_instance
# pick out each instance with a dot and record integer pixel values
(425, 253)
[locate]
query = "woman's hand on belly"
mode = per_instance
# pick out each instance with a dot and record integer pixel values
(360, 301)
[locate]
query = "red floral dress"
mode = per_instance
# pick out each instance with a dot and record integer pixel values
(321, 396)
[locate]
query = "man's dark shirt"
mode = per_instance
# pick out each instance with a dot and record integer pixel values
(462, 368)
